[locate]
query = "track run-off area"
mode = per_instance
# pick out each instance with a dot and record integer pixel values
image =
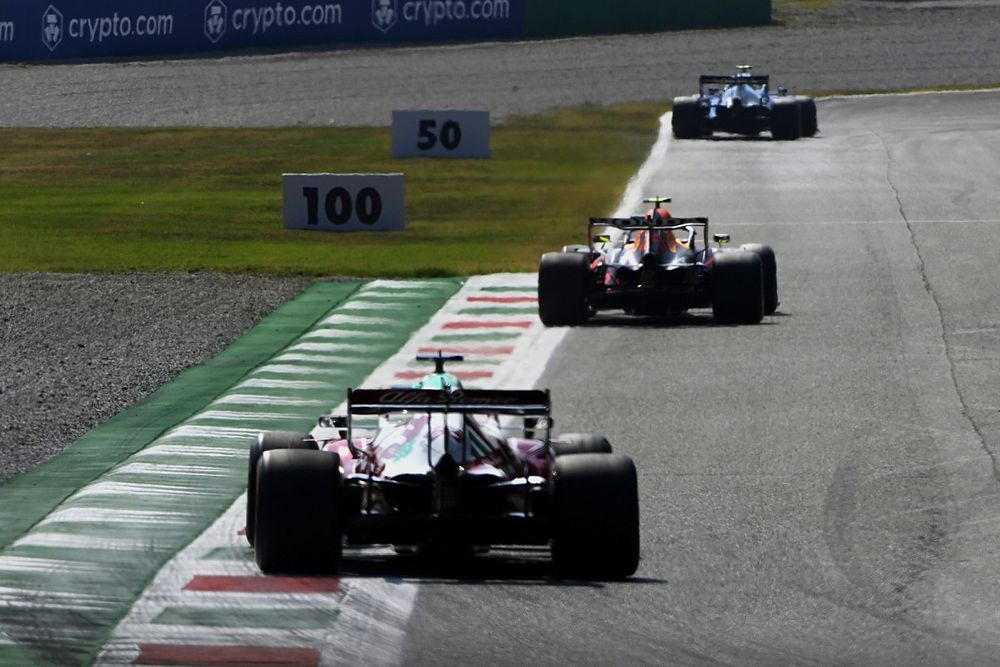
(821, 488)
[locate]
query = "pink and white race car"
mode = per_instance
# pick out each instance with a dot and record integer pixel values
(437, 464)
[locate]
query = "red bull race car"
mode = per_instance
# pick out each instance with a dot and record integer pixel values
(743, 104)
(656, 264)
(445, 469)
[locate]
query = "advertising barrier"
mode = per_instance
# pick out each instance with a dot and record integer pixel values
(40, 30)
(447, 134)
(547, 18)
(344, 202)
(37, 30)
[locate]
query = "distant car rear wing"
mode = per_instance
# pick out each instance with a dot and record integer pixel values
(533, 402)
(731, 80)
(639, 222)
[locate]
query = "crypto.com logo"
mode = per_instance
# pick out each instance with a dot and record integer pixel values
(216, 15)
(384, 14)
(52, 28)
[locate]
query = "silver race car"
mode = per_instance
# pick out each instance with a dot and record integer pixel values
(743, 104)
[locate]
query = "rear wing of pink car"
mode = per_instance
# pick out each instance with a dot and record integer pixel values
(525, 402)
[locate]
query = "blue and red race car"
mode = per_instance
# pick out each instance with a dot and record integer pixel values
(655, 264)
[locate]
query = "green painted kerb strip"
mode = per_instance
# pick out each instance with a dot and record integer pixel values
(27, 498)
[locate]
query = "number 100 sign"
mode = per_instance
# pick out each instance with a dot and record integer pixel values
(344, 202)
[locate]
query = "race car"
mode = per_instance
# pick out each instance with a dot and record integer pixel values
(655, 264)
(437, 468)
(743, 104)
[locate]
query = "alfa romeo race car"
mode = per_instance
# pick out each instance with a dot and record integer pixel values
(655, 264)
(439, 468)
(742, 104)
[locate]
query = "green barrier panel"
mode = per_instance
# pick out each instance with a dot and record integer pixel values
(546, 18)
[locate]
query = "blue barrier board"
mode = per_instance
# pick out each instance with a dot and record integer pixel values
(38, 30)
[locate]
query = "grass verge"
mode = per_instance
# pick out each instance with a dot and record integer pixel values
(210, 199)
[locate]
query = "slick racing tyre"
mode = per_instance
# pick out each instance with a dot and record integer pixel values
(686, 118)
(576, 248)
(563, 282)
(595, 516)
(769, 266)
(580, 443)
(298, 515)
(267, 441)
(807, 114)
(737, 288)
(786, 119)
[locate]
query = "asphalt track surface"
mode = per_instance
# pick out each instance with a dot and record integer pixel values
(821, 488)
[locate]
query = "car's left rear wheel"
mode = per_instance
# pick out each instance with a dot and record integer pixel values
(563, 289)
(685, 121)
(299, 523)
(265, 442)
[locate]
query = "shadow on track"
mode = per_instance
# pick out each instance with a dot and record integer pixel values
(683, 320)
(521, 566)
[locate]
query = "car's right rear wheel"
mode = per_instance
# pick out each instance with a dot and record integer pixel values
(786, 119)
(563, 288)
(737, 288)
(807, 109)
(769, 267)
(580, 443)
(595, 516)
(299, 523)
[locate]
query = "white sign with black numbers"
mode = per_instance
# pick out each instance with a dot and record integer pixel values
(344, 202)
(458, 134)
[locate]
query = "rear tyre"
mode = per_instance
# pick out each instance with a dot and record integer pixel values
(298, 527)
(595, 520)
(786, 122)
(563, 279)
(807, 110)
(769, 267)
(686, 119)
(267, 441)
(737, 288)
(580, 443)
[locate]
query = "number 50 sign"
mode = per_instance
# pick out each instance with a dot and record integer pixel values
(458, 134)
(343, 202)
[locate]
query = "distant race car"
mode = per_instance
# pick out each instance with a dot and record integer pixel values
(655, 264)
(442, 469)
(743, 104)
